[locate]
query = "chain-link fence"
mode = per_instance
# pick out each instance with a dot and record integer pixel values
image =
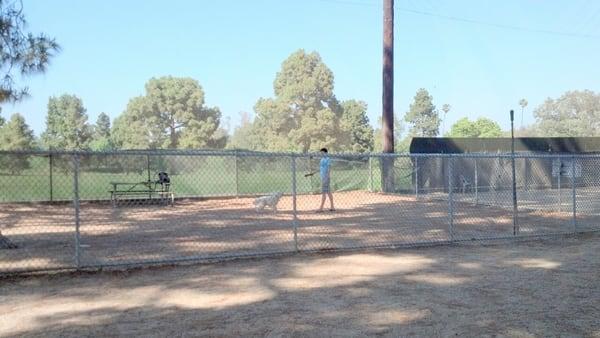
(65, 210)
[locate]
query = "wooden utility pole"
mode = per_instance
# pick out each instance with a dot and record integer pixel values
(388, 95)
(388, 76)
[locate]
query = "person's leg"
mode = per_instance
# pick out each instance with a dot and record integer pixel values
(322, 201)
(332, 208)
(324, 192)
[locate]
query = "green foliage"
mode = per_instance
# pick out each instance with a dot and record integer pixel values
(66, 124)
(422, 116)
(304, 115)
(21, 52)
(15, 135)
(243, 135)
(219, 139)
(355, 124)
(488, 128)
(171, 115)
(463, 128)
(575, 113)
(398, 131)
(482, 127)
(101, 140)
(131, 130)
(102, 127)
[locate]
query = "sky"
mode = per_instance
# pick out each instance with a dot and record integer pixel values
(480, 57)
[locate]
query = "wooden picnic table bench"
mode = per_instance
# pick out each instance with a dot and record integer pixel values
(147, 189)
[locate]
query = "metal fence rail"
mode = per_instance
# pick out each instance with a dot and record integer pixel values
(58, 209)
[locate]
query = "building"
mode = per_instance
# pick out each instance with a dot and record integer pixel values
(532, 172)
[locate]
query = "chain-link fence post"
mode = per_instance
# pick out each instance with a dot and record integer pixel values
(514, 195)
(310, 169)
(450, 198)
(476, 183)
(294, 203)
(574, 192)
(416, 177)
(370, 173)
(149, 177)
(559, 185)
(50, 165)
(237, 173)
(76, 206)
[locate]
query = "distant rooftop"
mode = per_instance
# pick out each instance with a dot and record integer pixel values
(459, 145)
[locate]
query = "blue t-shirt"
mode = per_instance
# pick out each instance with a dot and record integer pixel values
(324, 167)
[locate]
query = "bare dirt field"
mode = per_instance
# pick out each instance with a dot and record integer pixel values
(545, 289)
(217, 228)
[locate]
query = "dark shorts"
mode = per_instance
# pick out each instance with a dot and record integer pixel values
(325, 185)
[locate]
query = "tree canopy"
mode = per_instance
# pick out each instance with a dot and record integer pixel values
(355, 126)
(171, 114)
(66, 124)
(15, 134)
(101, 140)
(21, 53)
(482, 127)
(575, 113)
(422, 116)
(304, 115)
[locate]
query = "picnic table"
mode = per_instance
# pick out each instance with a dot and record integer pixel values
(147, 190)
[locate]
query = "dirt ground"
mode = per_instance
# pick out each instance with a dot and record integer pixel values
(536, 289)
(216, 228)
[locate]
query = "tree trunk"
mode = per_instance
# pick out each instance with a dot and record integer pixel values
(5, 243)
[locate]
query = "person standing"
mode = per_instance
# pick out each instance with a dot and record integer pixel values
(325, 172)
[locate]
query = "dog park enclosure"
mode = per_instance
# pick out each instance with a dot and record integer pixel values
(57, 212)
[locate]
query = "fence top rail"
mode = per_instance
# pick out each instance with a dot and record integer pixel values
(245, 153)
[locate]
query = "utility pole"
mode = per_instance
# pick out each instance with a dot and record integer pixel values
(388, 95)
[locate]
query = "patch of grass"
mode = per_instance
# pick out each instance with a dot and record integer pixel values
(190, 177)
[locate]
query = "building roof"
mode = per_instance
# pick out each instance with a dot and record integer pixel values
(553, 145)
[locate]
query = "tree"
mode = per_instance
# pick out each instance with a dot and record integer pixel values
(399, 144)
(487, 128)
(462, 128)
(170, 115)
(219, 139)
(523, 103)
(243, 136)
(21, 52)
(101, 140)
(66, 124)
(355, 125)
(304, 115)
(482, 127)
(133, 130)
(422, 116)
(575, 113)
(15, 135)
(445, 108)
(102, 127)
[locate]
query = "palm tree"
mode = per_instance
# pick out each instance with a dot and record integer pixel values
(445, 108)
(523, 104)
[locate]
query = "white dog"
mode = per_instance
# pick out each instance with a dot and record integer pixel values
(269, 200)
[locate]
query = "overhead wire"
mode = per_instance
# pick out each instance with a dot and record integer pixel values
(471, 21)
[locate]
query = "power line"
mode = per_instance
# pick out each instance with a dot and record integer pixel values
(470, 21)
(349, 2)
(497, 25)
